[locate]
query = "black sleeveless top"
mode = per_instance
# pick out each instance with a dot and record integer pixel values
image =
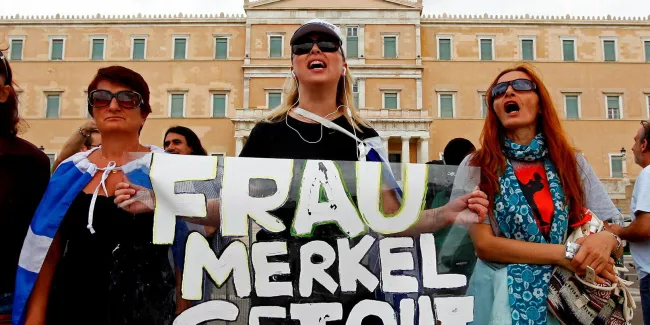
(115, 276)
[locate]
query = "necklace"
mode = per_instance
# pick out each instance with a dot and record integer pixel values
(286, 120)
(101, 153)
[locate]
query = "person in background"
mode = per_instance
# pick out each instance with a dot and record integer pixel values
(456, 150)
(539, 188)
(638, 232)
(455, 251)
(85, 138)
(24, 174)
(182, 140)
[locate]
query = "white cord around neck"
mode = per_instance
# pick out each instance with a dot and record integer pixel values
(112, 166)
(286, 120)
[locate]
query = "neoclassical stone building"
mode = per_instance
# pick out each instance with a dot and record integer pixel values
(419, 79)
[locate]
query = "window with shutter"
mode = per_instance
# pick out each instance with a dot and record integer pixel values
(221, 51)
(390, 47)
(139, 48)
(571, 104)
(390, 100)
(180, 48)
(527, 50)
(609, 50)
(352, 43)
(218, 105)
(16, 50)
(57, 49)
(97, 49)
(446, 106)
(53, 105)
(177, 105)
(613, 107)
(568, 50)
(486, 49)
(275, 46)
(444, 49)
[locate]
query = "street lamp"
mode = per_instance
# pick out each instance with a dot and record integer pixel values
(623, 151)
(42, 148)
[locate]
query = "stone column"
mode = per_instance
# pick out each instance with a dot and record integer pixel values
(247, 58)
(423, 149)
(362, 92)
(406, 152)
(362, 36)
(247, 92)
(418, 45)
(239, 144)
(418, 93)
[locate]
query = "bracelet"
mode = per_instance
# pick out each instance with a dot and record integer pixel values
(618, 240)
(570, 250)
(82, 133)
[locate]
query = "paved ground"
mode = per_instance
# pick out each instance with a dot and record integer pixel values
(634, 290)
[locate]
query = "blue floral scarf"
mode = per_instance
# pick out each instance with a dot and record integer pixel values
(527, 283)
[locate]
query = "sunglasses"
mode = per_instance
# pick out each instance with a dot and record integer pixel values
(126, 99)
(518, 84)
(304, 46)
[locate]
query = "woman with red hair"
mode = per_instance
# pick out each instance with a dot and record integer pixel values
(539, 188)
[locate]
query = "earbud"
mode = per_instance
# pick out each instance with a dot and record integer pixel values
(293, 73)
(345, 70)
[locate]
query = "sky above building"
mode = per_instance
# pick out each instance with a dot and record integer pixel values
(633, 8)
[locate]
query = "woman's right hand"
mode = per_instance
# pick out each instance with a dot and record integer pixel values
(608, 272)
(134, 199)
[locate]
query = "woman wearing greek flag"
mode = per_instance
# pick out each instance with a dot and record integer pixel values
(84, 260)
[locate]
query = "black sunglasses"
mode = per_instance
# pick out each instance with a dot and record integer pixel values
(101, 98)
(518, 84)
(304, 46)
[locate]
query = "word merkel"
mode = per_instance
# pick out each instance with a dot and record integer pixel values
(322, 197)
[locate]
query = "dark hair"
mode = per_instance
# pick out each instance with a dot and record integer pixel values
(646, 132)
(191, 138)
(88, 142)
(456, 150)
(435, 162)
(125, 77)
(9, 118)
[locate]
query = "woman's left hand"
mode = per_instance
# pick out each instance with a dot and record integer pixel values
(595, 251)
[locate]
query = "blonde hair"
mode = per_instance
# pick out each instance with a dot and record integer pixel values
(344, 96)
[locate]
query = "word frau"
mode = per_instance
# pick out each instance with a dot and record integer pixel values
(237, 205)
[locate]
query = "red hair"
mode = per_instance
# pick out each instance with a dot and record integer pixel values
(562, 154)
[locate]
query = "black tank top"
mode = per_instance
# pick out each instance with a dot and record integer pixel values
(115, 276)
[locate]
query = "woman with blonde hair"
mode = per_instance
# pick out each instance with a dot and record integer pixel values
(539, 188)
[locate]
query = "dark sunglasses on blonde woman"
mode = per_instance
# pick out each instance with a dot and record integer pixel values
(102, 98)
(304, 46)
(518, 84)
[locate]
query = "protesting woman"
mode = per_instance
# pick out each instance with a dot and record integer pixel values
(102, 267)
(317, 95)
(538, 186)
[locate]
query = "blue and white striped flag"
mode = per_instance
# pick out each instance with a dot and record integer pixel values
(70, 178)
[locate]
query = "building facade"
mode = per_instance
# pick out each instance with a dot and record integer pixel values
(419, 79)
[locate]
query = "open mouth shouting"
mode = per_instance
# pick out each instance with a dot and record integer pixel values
(511, 107)
(317, 65)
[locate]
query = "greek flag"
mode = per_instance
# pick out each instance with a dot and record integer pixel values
(70, 178)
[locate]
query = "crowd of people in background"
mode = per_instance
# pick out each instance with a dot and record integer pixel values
(535, 188)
